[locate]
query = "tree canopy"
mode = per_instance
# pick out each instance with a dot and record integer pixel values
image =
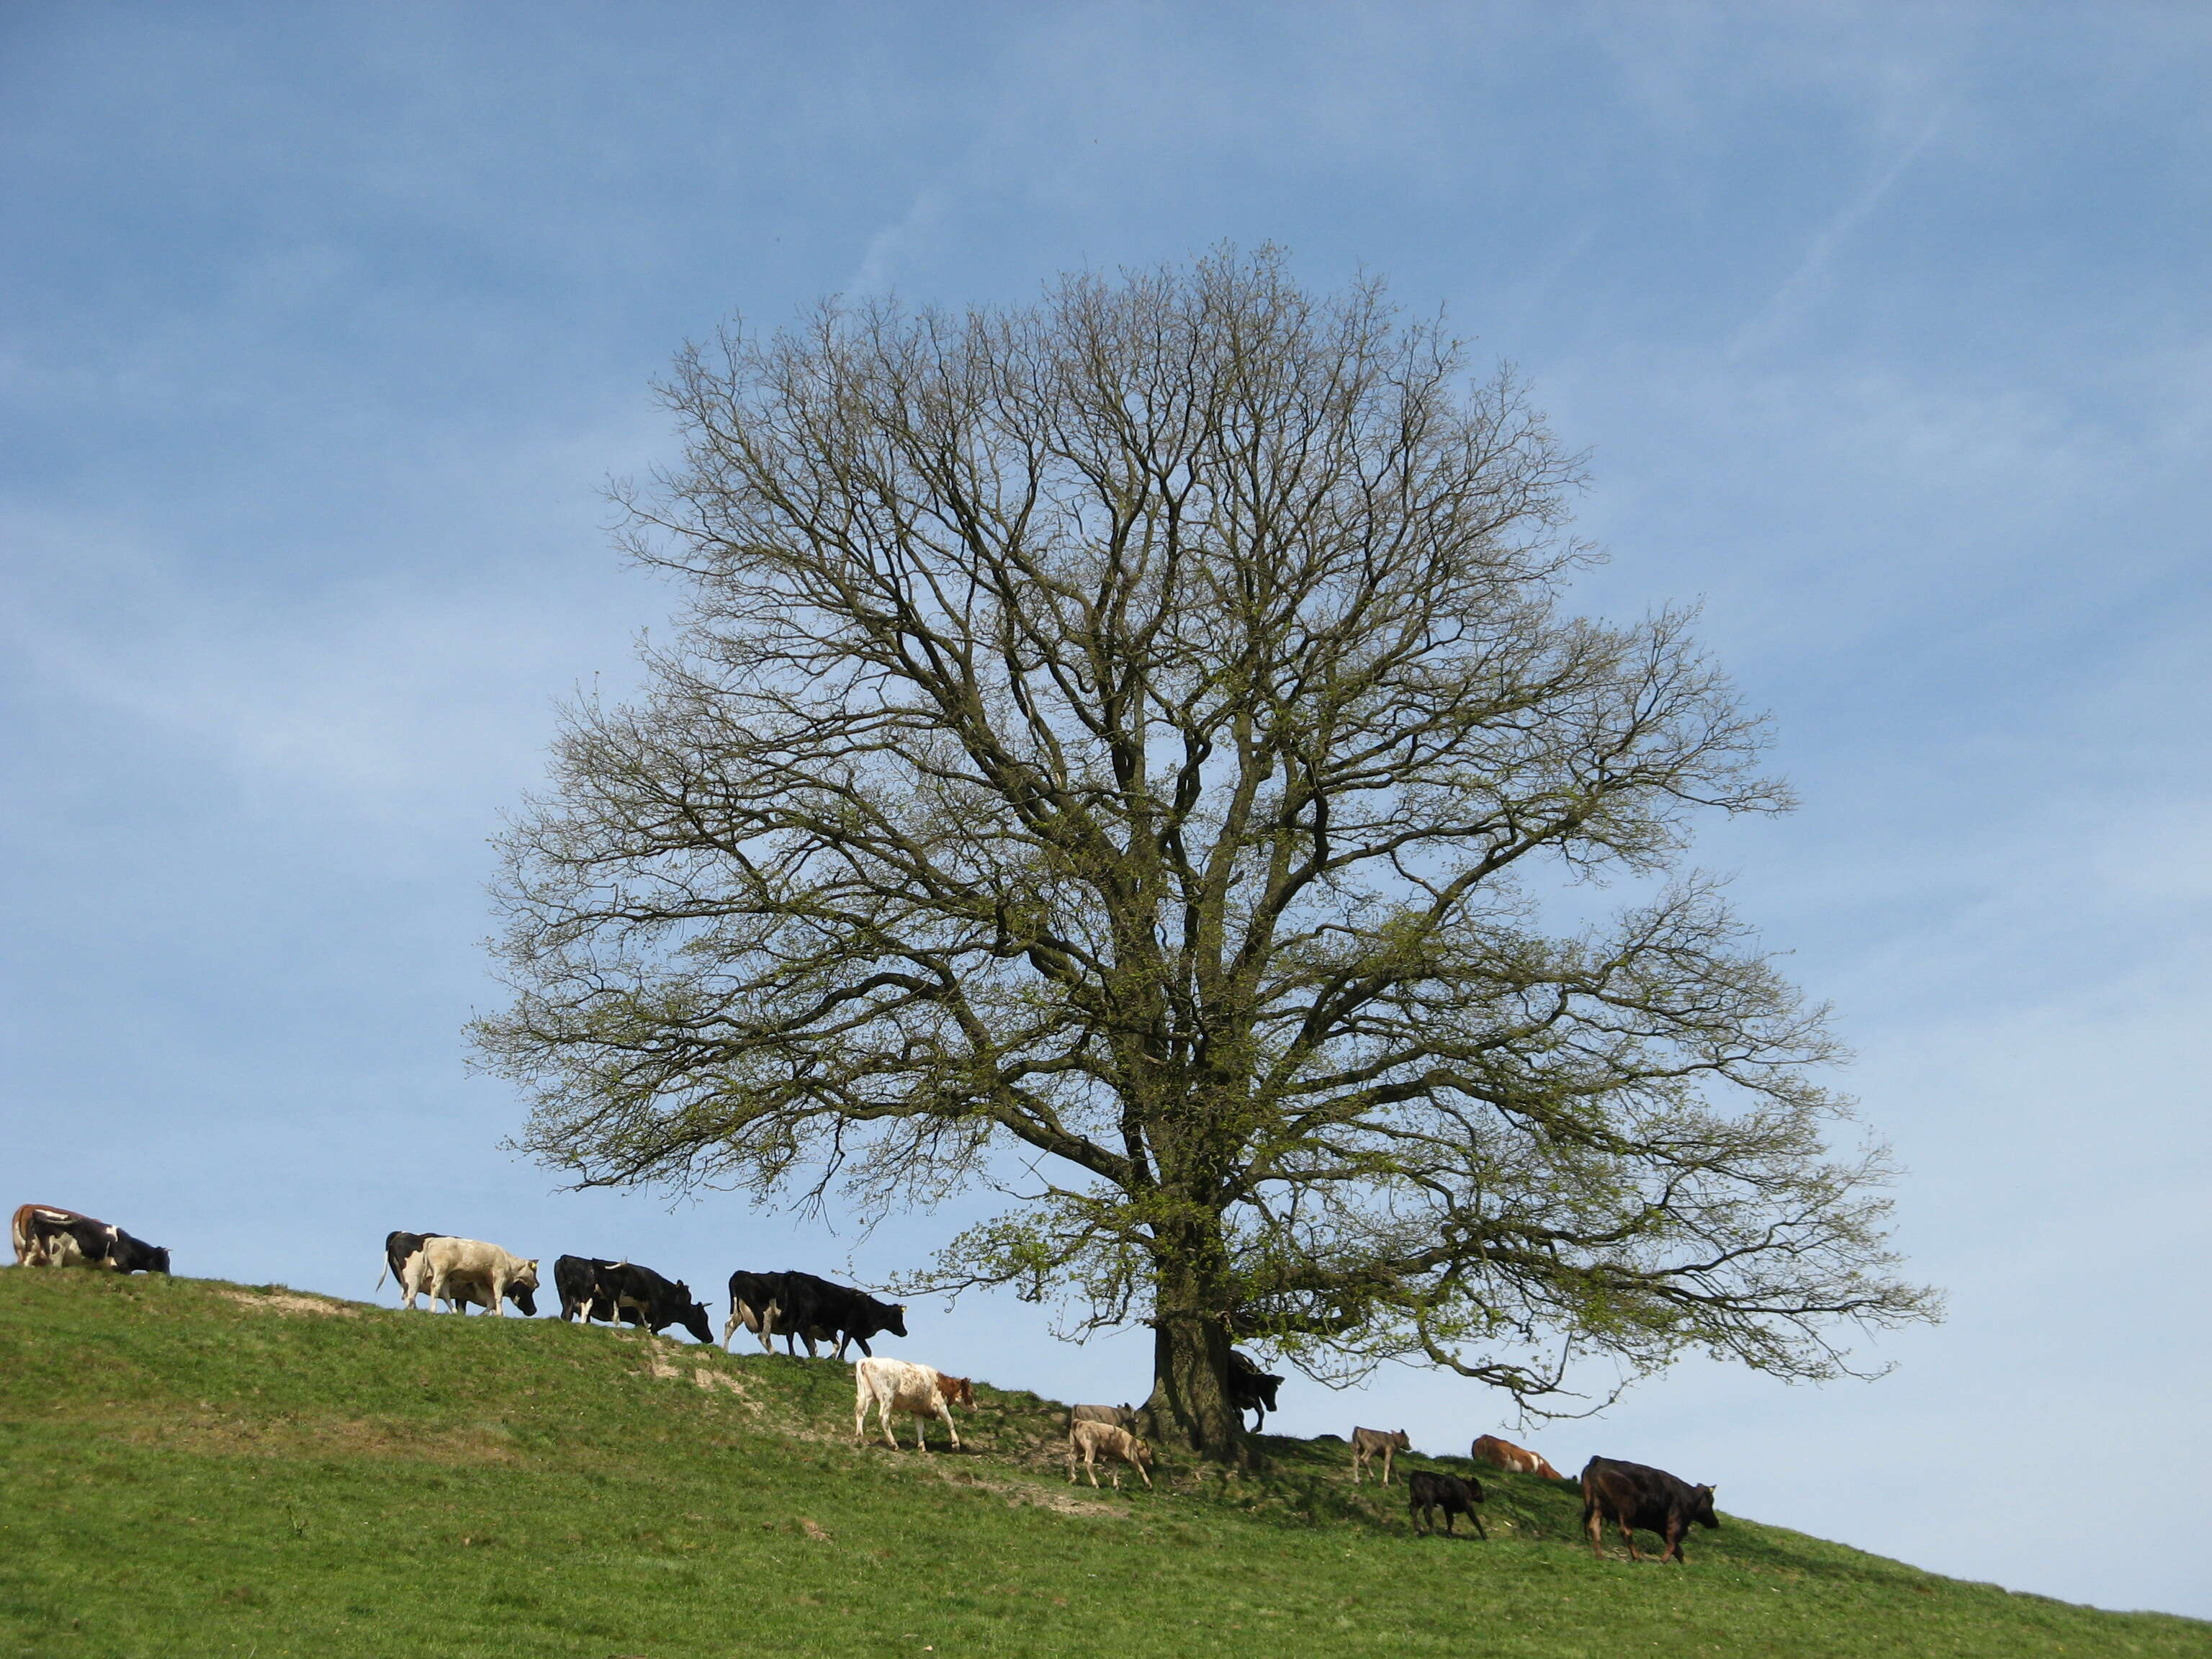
(1134, 748)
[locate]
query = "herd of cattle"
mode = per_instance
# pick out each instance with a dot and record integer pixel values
(466, 1272)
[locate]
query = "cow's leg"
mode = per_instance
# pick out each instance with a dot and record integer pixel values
(1148, 1478)
(1594, 1524)
(951, 1427)
(1091, 1466)
(1359, 1461)
(1478, 1531)
(861, 1414)
(498, 1293)
(1071, 1460)
(1676, 1531)
(437, 1287)
(1628, 1532)
(1386, 1465)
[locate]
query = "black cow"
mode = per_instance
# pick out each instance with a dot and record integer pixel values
(1632, 1495)
(1250, 1388)
(1426, 1491)
(592, 1289)
(755, 1300)
(399, 1246)
(813, 1310)
(47, 1235)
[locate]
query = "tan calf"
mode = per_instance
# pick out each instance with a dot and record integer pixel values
(1097, 1440)
(1368, 1444)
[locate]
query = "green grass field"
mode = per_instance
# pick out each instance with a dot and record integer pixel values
(191, 1468)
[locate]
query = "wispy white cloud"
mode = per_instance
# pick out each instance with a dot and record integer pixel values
(1800, 289)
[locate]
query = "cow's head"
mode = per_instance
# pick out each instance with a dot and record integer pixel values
(1144, 1452)
(694, 1316)
(958, 1389)
(157, 1261)
(1701, 1507)
(897, 1326)
(1400, 1441)
(524, 1296)
(527, 1279)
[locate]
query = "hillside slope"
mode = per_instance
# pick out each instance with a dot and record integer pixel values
(192, 1467)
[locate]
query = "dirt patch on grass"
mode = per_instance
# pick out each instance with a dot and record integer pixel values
(286, 1302)
(1018, 1492)
(214, 1435)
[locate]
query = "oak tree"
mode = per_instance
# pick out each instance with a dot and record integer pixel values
(1133, 750)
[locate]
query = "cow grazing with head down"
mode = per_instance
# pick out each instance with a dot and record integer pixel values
(1634, 1495)
(47, 1235)
(1092, 1441)
(1368, 1444)
(899, 1385)
(1514, 1460)
(590, 1289)
(1426, 1491)
(1250, 1388)
(443, 1266)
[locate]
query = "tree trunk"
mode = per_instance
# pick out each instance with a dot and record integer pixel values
(1188, 1409)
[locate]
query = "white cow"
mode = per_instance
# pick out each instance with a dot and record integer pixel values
(443, 1266)
(899, 1385)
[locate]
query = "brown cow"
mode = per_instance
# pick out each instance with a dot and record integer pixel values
(1632, 1495)
(1514, 1460)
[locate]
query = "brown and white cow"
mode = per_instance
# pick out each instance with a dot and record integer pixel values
(1092, 1441)
(443, 1266)
(1514, 1460)
(36, 1229)
(900, 1385)
(1368, 1444)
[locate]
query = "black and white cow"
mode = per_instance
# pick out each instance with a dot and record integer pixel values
(755, 1301)
(592, 1289)
(47, 1235)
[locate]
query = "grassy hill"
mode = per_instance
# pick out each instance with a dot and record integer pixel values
(192, 1467)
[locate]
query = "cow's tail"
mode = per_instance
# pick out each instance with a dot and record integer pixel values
(384, 1272)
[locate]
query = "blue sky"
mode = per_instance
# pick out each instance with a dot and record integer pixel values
(1888, 328)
